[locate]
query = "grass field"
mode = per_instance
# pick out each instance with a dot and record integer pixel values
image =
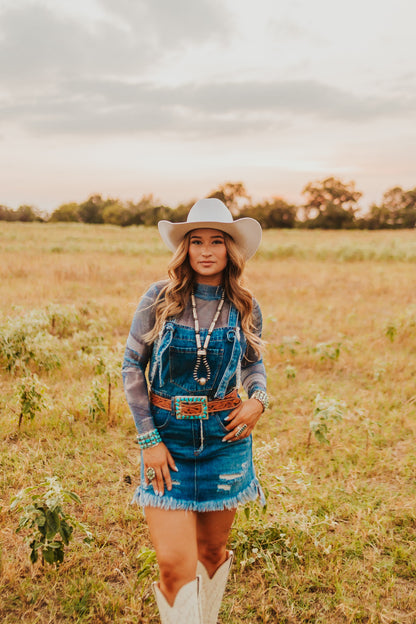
(337, 541)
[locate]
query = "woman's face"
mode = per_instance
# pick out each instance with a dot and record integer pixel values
(208, 255)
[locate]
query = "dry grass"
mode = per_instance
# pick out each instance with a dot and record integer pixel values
(337, 543)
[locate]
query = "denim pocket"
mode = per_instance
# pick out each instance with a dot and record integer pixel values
(161, 418)
(220, 420)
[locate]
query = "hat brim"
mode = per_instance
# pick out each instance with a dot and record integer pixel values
(246, 233)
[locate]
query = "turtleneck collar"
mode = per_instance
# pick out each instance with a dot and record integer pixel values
(205, 291)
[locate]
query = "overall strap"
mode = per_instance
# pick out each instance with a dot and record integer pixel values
(233, 316)
(160, 345)
(236, 352)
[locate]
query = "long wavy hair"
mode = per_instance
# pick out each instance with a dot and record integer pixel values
(175, 295)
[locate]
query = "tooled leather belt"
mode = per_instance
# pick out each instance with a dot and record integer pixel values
(193, 407)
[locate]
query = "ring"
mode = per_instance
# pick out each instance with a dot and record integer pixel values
(240, 431)
(150, 473)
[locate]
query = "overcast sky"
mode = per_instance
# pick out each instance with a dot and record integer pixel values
(174, 97)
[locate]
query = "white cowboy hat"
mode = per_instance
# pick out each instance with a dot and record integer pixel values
(213, 213)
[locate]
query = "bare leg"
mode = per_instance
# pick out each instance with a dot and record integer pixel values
(212, 531)
(173, 534)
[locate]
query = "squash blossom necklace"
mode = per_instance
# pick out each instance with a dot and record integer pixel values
(202, 365)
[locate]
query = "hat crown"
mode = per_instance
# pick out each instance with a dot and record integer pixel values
(210, 209)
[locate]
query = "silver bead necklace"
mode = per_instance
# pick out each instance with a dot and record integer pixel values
(201, 353)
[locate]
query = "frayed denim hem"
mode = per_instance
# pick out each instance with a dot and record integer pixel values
(251, 493)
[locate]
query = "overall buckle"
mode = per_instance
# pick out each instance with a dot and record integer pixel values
(191, 407)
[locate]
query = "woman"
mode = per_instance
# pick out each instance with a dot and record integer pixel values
(200, 334)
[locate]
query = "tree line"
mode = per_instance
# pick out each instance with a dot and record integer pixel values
(329, 204)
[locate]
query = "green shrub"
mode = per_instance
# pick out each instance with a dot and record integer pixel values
(48, 526)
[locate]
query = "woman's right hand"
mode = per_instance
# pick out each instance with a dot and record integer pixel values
(159, 458)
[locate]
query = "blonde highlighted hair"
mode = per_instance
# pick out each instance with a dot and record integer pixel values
(174, 296)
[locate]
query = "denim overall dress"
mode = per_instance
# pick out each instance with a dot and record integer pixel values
(212, 475)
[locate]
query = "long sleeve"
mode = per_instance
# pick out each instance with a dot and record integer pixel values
(136, 358)
(253, 372)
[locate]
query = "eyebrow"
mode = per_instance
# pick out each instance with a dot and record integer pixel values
(221, 236)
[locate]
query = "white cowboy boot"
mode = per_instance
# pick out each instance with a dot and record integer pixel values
(213, 589)
(187, 606)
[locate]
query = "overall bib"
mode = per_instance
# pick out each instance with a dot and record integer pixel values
(212, 475)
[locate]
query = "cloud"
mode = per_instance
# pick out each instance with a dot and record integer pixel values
(66, 74)
(289, 29)
(293, 96)
(110, 106)
(173, 24)
(39, 45)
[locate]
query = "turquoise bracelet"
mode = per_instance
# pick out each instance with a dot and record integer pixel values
(148, 439)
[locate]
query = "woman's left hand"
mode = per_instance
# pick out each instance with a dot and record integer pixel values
(242, 420)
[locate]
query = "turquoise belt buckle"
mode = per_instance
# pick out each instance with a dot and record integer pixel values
(197, 407)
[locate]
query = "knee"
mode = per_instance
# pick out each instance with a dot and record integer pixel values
(212, 554)
(176, 569)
